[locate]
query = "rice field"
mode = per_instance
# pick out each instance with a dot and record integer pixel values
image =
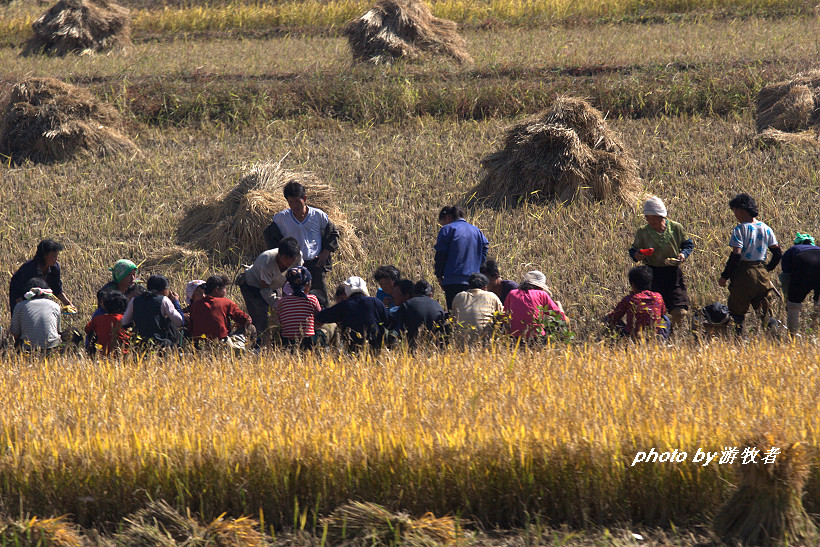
(496, 436)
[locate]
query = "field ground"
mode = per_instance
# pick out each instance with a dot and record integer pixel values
(528, 440)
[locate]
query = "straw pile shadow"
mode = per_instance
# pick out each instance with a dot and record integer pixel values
(403, 29)
(789, 112)
(377, 526)
(767, 507)
(565, 153)
(46, 120)
(80, 26)
(159, 524)
(230, 227)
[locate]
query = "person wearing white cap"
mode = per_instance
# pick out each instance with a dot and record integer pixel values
(663, 245)
(360, 316)
(524, 305)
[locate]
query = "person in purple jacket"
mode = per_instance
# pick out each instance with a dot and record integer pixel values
(461, 249)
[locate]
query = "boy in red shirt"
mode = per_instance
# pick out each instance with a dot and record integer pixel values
(643, 309)
(107, 327)
(212, 315)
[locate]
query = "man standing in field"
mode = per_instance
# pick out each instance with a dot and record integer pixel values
(745, 272)
(316, 234)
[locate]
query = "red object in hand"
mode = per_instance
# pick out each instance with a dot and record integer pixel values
(647, 252)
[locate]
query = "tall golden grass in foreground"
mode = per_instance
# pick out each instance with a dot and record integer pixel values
(496, 436)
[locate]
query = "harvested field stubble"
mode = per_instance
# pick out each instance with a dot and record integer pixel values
(515, 428)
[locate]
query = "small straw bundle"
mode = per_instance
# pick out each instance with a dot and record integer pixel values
(159, 524)
(55, 532)
(46, 120)
(565, 153)
(403, 29)
(174, 255)
(231, 225)
(379, 526)
(785, 110)
(767, 507)
(80, 26)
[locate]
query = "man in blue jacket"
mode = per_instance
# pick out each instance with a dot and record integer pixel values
(461, 249)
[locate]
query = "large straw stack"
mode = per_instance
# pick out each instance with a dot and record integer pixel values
(81, 26)
(46, 120)
(403, 29)
(231, 226)
(565, 153)
(789, 112)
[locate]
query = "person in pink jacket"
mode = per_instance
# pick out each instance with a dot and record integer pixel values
(527, 303)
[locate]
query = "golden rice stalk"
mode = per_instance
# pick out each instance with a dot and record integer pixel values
(231, 225)
(375, 523)
(241, 532)
(565, 153)
(174, 255)
(767, 507)
(403, 29)
(56, 532)
(46, 120)
(80, 26)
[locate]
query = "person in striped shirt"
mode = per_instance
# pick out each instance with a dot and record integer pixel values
(296, 310)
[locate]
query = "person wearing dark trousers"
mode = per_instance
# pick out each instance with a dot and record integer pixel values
(461, 249)
(801, 275)
(311, 227)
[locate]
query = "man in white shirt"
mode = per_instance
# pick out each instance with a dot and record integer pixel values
(316, 234)
(262, 283)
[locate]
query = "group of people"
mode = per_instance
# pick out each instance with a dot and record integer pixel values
(658, 287)
(286, 298)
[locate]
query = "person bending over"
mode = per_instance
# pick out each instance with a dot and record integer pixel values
(641, 310)
(155, 314)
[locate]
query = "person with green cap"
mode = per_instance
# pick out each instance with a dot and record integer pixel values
(801, 275)
(124, 274)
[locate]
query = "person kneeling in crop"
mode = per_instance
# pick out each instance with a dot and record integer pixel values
(156, 313)
(213, 315)
(642, 310)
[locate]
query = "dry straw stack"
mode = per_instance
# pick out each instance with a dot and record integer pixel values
(565, 153)
(767, 507)
(46, 120)
(403, 29)
(789, 112)
(231, 225)
(81, 26)
(378, 526)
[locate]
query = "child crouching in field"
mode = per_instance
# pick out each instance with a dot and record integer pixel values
(643, 309)
(213, 314)
(106, 329)
(745, 272)
(296, 310)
